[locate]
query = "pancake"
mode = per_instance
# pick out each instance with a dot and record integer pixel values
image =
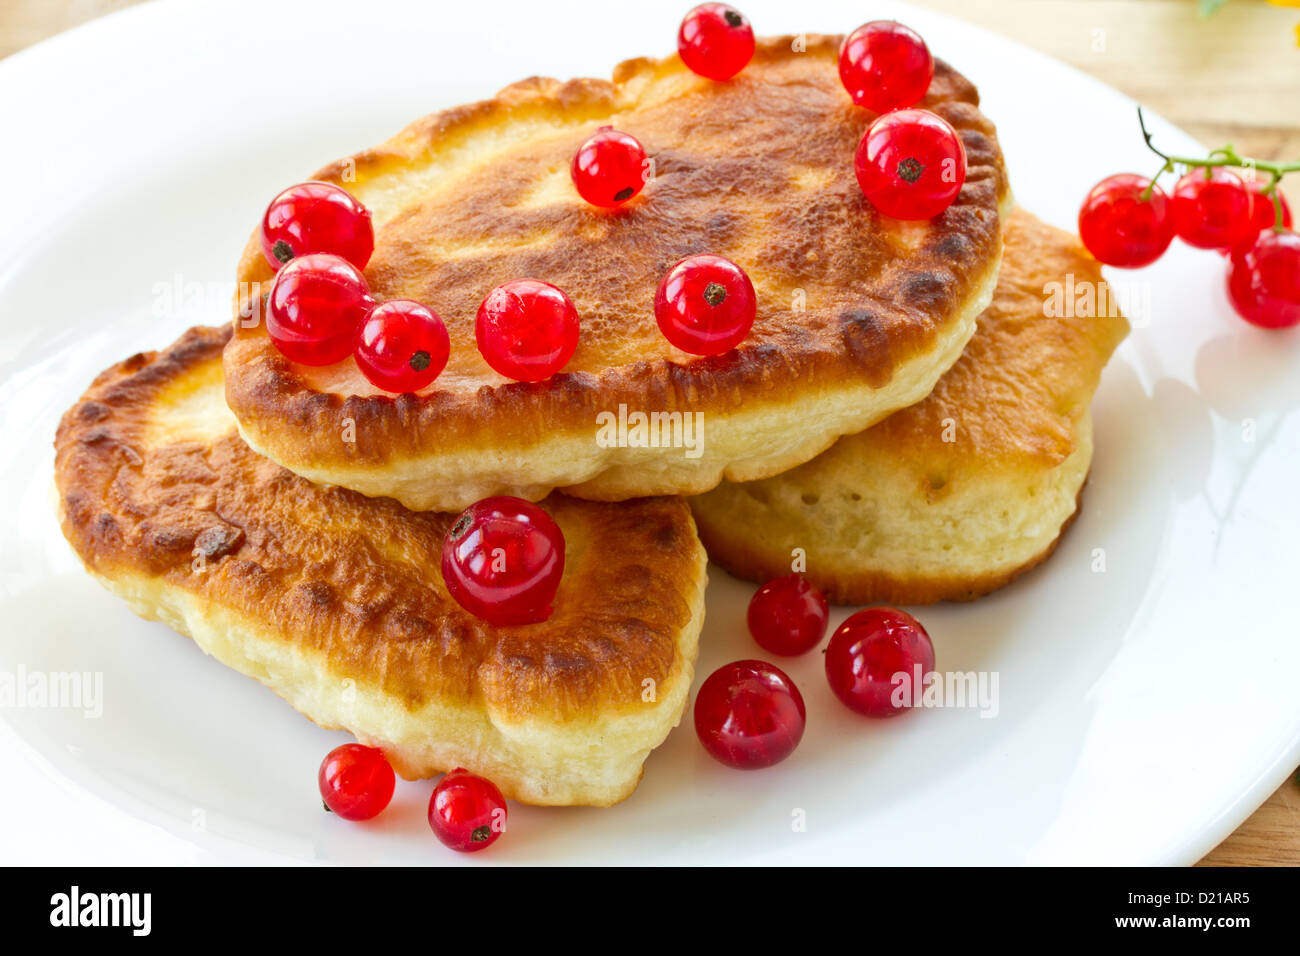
(898, 514)
(335, 601)
(858, 315)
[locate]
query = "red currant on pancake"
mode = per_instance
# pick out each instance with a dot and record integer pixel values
(787, 616)
(865, 653)
(315, 306)
(402, 346)
(1122, 228)
(317, 217)
(527, 329)
(1213, 209)
(715, 41)
(609, 168)
(749, 715)
(466, 811)
(885, 66)
(356, 782)
(502, 561)
(705, 305)
(911, 164)
(1264, 281)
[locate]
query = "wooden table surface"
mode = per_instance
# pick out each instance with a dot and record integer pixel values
(1233, 78)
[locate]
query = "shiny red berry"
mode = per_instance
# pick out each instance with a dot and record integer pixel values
(317, 217)
(356, 782)
(402, 346)
(1213, 209)
(1121, 227)
(315, 307)
(749, 715)
(787, 616)
(910, 164)
(609, 168)
(715, 41)
(1264, 281)
(502, 561)
(1265, 213)
(527, 329)
(705, 305)
(868, 650)
(885, 66)
(467, 812)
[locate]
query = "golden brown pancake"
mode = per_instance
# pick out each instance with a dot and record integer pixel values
(960, 494)
(335, 601)
(858, 314)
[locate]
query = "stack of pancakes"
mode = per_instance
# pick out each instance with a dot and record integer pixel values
(904, 419)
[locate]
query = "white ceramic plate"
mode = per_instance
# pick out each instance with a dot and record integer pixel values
(1144, 711)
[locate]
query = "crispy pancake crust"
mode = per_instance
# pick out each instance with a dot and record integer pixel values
(960, 494)
(336, 602)
(858, 315)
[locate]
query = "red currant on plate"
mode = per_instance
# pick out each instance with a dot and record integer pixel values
(467, 812)
(527, 329)
(356, 782)
(317, 217)
(715, 41)
(749, 715)
(1122, 227)
(502, 561)
(402, 346)
(911, 164)
(609, 168)
(1265, 213)
(1213, 209)
(787, 616)
(865, 653)
(1264, 281)
(885, 66)
(314, 309)
(705, 305)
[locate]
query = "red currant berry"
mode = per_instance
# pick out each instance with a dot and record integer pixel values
(1213, 209)
(317, 217)
(1264, 282)
(749, 715)
(356, 782)
(885, 66)
(705, 305)
(527, 329)
(911, 164)
(1120, 227)
(787, 616)
(316, 304)
(467, 812)
(1265, 214)
(402, 346)
(715, 41)
(865, 653)
(609, 168)
(502, 561)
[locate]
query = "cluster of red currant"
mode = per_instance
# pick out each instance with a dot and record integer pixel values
(1127, 220)
(749, 714)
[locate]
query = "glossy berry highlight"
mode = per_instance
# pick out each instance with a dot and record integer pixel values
(911, 164)
(467, 812)
(715, 41)
(749, 715)
(609, 168)
(527, 329)
(317, 217)
(402, 346)
(502, 560)
(865, 653)
(788, 615)
(356, 782)
(885, 66)
(315, 307)
(1122, 226)
(705, 305)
